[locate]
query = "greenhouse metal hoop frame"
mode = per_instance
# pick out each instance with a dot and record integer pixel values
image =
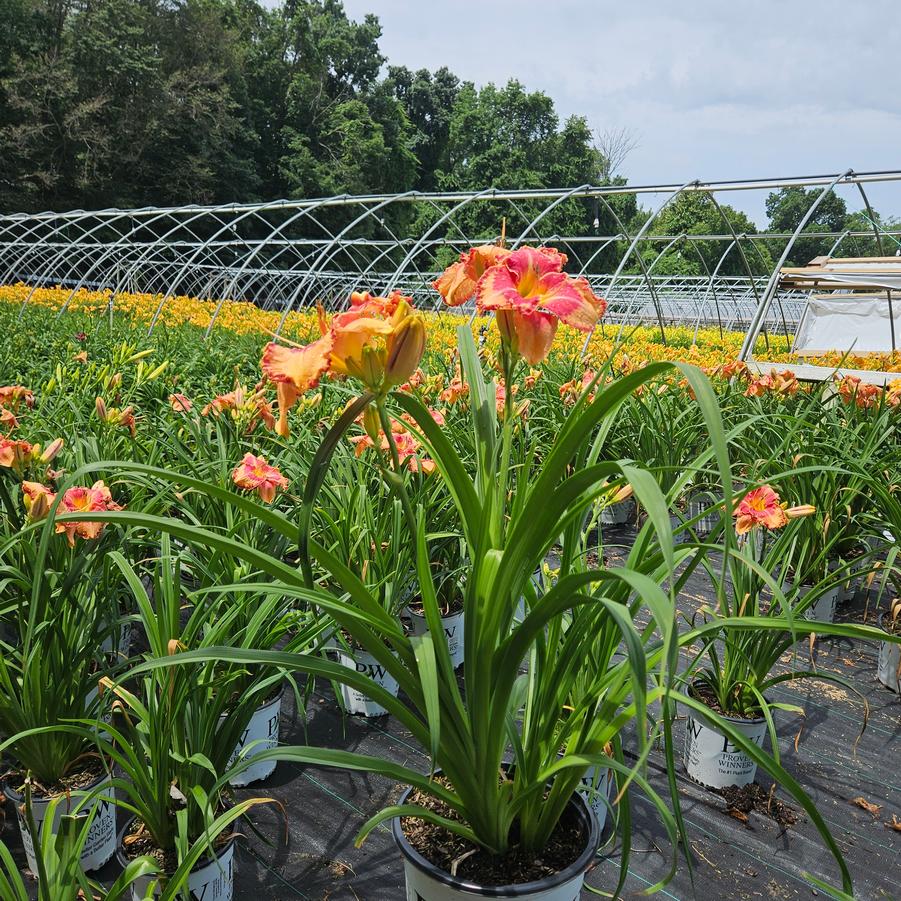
(266, 252)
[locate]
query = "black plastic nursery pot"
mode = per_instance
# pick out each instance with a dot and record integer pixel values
(212, 878)
(427, 882)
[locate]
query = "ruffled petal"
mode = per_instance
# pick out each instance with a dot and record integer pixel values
(534, 335)
(301, 367)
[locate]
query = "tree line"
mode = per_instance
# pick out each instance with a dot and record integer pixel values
(127, 103)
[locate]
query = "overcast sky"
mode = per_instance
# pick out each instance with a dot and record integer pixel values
(712, 89)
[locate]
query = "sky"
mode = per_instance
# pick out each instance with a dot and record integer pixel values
(710, 89)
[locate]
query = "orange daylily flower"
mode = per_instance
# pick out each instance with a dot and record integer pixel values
(255, 474)
(180, 403)
(853, 391)
(14, 454)
(13, 395)
(8, 420)
(762, 507)
(379, 340)
(38, 499)
(457, 283)
(81, 499)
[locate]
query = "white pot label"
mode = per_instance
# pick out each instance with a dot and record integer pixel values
(597, 788)
(262, 734)
(101, 841)
(213, 881)
(888, 663)
(453, 633)
(822, 610)
(364, 663)
(713, 760)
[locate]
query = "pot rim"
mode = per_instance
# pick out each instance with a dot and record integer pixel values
(516, 890)
(739, 720)
(204, 861)
(412, 613)
(879, 618)
(19, 798)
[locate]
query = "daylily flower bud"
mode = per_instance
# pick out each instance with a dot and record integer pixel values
(156, 373)
(139, 356)
(52, 450)
(405, 345)
(372, 368)
(622, 494)
(371, 424)
(801, 510)
(100, 406)
(37, 499)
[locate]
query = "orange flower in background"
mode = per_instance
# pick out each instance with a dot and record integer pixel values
(255, 474)
(457, 283)
(853, 391)
(406, 443)
(572, 390)
(96, 499)
(12, 396)
(8, 420)
(456, 390)
(737, 369)
(180, 403)
(246, 408)
(38, 500)
(762, 507)
(80, 357)
(781, 384)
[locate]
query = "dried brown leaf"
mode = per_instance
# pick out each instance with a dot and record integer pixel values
(868, 806)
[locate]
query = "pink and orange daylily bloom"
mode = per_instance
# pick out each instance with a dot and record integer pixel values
(762, 507)
(180, 403)
(81, 499)
(379, 340)
(457, 283)
(15, 454)
(255, 474)
(530, 294)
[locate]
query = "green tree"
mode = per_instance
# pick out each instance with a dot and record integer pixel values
(694, 213)
(428, 101)
(786, 209)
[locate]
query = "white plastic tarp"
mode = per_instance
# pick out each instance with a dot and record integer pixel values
(854, 322)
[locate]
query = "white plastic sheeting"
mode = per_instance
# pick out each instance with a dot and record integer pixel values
(848, 322)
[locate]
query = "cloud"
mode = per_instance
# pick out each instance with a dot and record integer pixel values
(712, 89)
